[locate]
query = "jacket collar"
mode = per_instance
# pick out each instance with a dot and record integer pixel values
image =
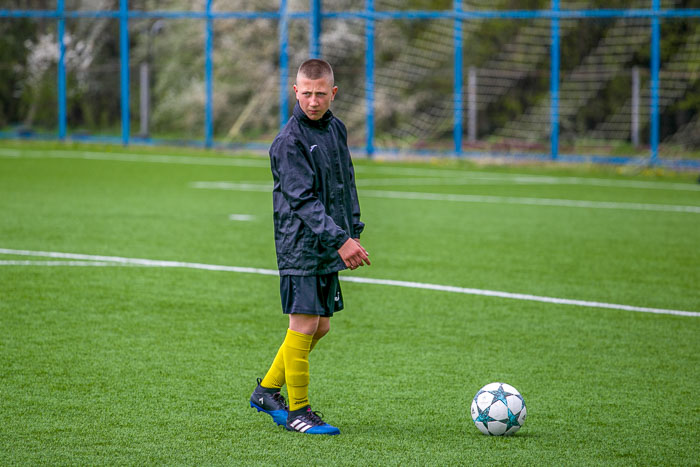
(320, 123)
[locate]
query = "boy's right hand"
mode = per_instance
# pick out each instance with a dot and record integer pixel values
(353, 254)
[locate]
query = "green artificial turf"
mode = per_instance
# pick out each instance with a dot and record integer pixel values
(126, 364)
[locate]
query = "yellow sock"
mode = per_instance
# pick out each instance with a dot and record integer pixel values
(296, 363)
(275, 375)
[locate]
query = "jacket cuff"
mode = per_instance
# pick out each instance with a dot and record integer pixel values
(341, 242)
(358, 229)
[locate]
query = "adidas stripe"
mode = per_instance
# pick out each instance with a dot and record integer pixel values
(298, 425)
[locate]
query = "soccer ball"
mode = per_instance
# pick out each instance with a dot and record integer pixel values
(498, 409)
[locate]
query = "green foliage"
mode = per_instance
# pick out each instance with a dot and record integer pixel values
(427, 4)
(13, 58)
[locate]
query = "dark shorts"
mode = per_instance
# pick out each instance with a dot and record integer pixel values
(311, 295)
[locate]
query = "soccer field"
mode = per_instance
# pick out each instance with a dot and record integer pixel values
(139, 303)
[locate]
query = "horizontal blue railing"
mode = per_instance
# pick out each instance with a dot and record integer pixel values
(370, 15)
(364, 14)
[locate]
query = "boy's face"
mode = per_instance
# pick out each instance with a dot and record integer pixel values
(314, 95)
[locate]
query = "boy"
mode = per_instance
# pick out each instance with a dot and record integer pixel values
(317, 229)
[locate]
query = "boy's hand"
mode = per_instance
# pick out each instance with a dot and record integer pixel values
(353, 255)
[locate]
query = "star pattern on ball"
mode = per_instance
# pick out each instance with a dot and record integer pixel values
(512, 420)
(484, 416)
(500, 395)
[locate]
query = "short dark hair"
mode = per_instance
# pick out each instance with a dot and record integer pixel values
(315, 68)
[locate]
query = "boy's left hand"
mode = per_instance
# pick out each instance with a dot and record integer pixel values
(353, 254)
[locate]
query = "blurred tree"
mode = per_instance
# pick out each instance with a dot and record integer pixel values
(13, 66)
(413, 67)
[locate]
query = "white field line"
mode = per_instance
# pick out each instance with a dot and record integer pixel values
(570, 203)
(139, 262)
(483, 177)
(527, 179)
(117, 260)
(134, 157)
(242, 217)
(261, 187)
(57, 263)
(517, 296)
(425, 181)
(479, 179)
(16, 153)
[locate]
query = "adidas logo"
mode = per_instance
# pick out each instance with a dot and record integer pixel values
(300, 425)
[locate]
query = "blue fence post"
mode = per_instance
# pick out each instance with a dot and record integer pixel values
(554, 83)
(61, 70)
(208, 71)
(655, 64)
(315, 29)
(284, 63)
(369, 78)
(458, 82)
(124, 65)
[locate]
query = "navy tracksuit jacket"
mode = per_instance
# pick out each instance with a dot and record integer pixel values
(314, 195)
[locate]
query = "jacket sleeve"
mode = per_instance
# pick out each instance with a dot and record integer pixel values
(296, 178)
(357, 225)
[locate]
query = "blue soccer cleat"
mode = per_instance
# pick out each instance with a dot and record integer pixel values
(270, 401)
(309, 422)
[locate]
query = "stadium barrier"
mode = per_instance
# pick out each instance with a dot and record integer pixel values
(372, 18)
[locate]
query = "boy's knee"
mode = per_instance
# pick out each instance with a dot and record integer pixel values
(324, 325)
(305, 324)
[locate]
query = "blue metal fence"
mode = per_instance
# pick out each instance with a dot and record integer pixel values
(370, 16)
(554, 83)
